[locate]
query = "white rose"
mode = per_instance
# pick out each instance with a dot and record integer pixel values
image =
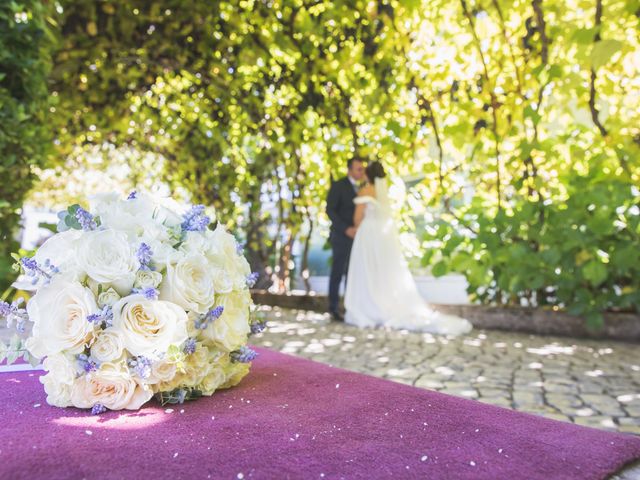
(112, 386)
(59, 314)
(167, 210)
(128, 216)
(232, 329)
(109, 259)
(60, 250)
(58, 382)
(147, 326)
(108, 297)
(189, 284)
(108, 346)
(147, 279)
(196, 243)
(162, 371)
(224, 257)
(214, 379)
(195, 367)
(163, 252)
(222, 280)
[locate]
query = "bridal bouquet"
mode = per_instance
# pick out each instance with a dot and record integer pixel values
(135, 298)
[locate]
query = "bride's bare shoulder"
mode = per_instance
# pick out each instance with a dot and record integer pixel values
(367, 191)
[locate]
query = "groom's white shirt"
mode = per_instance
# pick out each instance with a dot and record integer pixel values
(354, 183)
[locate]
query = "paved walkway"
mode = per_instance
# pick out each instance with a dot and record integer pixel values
(583, 381)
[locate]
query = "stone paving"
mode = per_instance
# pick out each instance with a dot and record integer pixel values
(582, 381)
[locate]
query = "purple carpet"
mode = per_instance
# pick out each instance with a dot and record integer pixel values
(292, 418)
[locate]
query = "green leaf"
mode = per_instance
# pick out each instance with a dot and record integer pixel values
(595, 272)
(529, 112)
(439, 269)
(15, 345)
(584, 36)
(602, 52)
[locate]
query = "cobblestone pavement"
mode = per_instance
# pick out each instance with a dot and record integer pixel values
(582, 381)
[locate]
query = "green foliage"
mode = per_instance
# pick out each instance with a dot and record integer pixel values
(521, 118)
(24, 66)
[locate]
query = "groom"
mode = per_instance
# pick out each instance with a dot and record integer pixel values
(340, 209)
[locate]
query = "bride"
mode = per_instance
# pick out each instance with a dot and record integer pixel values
(380, 289)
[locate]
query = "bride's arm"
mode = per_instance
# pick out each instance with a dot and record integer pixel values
(358, 214)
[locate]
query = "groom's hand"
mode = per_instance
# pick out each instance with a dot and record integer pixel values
(351, 232)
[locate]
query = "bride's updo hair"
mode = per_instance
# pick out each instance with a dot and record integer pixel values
(374, 170)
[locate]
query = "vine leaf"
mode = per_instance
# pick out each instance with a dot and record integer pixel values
(603, 51)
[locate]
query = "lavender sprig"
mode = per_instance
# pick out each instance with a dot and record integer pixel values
(133, 195)
(86, 364)
(85, 219)
(189, 346)
(141, 366)
(98, 408)
(102, 319)
(144, 255)
(203, 321)
(244, 355)
(195, 220)
(149, 293)
(252, 278)
(258, 327)
(36, 271)
(12, 312)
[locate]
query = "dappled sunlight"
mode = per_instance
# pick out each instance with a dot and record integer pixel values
(553, 349)
(583, 381)
(121, 420)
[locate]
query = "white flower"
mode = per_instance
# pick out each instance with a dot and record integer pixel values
(60, 250)
(108, 259)
(128, 216)
(112, 386)
(226, 260)
(214, 379)
(59, 312)
(58, 382)
(108, 297)
(188, 283)
(108, 346)
(147, 279)
(149, 327)
(162, 371)
(231, 330)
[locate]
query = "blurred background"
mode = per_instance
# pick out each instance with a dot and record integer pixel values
(509, 128)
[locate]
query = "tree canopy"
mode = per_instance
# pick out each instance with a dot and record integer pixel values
(520, 118)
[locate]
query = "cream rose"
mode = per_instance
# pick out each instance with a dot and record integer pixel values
(188, 283)
(58, 382)
(108, 298)
(214, 380)
(162, 371)
(59, 314)
(231, 330)
(147, 279)
(112, 386)
(149, 327)
(108, 259)
(129, 216)
(231, 268)
(108, 346)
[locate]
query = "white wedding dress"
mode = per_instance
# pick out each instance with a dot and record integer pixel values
(380, 288)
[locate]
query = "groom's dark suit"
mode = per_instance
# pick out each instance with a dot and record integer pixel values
(340, 208)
